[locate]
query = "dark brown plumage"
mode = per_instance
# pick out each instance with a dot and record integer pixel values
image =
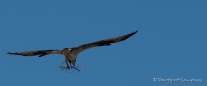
(71, 53)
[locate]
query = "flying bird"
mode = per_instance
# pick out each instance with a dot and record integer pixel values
(72, 53)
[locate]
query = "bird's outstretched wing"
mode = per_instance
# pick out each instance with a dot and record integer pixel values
(105, 42)
(38, 52)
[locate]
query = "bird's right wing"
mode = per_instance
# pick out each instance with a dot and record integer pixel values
(38, 52)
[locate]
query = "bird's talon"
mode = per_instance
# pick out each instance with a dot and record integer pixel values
(68, 68)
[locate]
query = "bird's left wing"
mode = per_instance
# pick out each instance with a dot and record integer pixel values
(105, 42)
(38, 52)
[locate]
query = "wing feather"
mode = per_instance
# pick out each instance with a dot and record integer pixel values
(106, 42)
(38, 52)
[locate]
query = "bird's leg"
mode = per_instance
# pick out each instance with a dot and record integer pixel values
(73, 66)
(67, 65)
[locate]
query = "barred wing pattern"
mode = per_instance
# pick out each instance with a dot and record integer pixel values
(38, 52)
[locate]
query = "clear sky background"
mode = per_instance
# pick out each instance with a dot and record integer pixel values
(171, 42)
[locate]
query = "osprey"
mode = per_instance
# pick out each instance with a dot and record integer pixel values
(72, 53)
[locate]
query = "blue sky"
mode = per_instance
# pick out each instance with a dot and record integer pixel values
(171, 42)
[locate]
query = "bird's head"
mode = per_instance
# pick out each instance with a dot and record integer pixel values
(65, 50)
